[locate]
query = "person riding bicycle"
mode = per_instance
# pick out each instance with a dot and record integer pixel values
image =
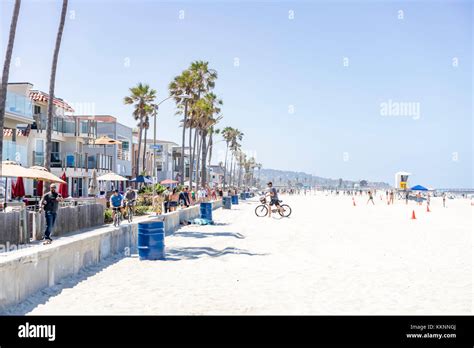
(130, 198)
(272, 192)
(116, 202)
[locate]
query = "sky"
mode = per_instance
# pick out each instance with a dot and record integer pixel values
(340, 89)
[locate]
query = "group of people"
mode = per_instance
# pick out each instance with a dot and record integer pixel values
(183, 198)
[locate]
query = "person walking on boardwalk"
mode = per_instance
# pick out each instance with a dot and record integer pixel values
(371, 198)
(50, 204)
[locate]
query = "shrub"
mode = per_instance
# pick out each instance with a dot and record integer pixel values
(142, 210)
(107, 216)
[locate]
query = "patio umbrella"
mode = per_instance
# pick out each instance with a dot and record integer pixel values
(105, 140)
(39, 188)
(93, 184)
(10, 169)
(63, 187)
(143, 179)
(169, 182)
(111, 177)
(41, 173)
(19, 188)
(419, 188)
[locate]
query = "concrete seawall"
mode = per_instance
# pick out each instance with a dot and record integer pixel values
(26, 271)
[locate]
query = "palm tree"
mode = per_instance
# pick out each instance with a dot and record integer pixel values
(204, 79)
(6, 71)
(52, 82)
(142, 96)
(183, 84)
(227, 135)
(210, 107)
(210, 145)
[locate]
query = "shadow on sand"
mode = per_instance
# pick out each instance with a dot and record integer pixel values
(42, 296)
(208, 234)
(191, 253)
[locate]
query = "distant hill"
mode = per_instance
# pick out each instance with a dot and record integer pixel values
(291, 178)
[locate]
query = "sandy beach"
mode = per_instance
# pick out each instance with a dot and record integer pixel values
(329, 257)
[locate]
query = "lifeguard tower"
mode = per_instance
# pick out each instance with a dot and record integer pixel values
(401, 181)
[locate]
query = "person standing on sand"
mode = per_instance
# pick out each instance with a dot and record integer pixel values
(371, 198)
(391, 197)
(428, 200)
(444, 200)
(406, 197)
(50, 204)
(273, 198)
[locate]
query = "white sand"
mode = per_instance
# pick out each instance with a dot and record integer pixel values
(328, 258)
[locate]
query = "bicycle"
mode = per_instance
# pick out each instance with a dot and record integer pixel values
(129, 207)
(262, 209)
(117, 216)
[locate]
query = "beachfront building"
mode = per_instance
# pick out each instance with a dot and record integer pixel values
(27, 143)
(176, 156)
(216, 175)
(18, 121)
(161, 152)
(116, 158)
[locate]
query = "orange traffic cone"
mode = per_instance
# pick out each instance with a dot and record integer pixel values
(428, 209)
(353, 202)
(413, 217)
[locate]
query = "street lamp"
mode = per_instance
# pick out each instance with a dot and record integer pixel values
(155, 113)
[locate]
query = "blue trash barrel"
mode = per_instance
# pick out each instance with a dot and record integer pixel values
(242, 196)
(247, 195)
(227, 202)
(151, 240)
(206, 211)
(235, 199)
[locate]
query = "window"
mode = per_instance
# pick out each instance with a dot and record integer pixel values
(37, 110)
(55, 155)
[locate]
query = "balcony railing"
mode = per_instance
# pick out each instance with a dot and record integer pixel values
(14, 152)
(123, 155)
(75, 160)
(19, 104)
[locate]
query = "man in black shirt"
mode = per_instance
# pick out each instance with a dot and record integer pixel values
(50, 204)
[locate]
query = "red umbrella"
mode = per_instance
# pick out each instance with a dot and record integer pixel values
(39, 188)
(19, 188)
(63, 187)
(13, 190)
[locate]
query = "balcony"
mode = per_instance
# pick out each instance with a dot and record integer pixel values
(19, 105)
(123, 155)
(14, 152)
(75, 160)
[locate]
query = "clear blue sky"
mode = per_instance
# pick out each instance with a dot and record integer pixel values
(283, 63)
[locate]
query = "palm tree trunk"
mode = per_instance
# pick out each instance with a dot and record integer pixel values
(137, 161)
(183, 167)
(198, 160)
(6, 71)
(209, 150)
(225, 165)
(144, 149)
(190, 158)
(231, 165)
(194, 155)
(203, 159)
(52, 82)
